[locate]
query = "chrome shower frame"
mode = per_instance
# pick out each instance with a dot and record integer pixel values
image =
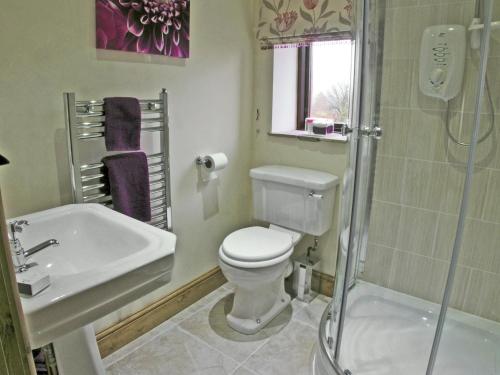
(358, 190)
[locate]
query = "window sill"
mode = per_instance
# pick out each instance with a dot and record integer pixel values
(305, 136)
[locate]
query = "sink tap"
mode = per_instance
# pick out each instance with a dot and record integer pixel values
(19, 255)
(39, 247)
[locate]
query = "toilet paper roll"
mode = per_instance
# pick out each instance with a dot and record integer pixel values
(216, 162)
(211, 164)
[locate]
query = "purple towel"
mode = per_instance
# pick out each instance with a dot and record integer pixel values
(123, 124)
(129, 184)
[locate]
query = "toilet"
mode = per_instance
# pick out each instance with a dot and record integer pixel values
(256, 260)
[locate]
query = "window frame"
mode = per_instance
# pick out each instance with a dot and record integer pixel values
(304, 82)
(293, 126)
(303, 85)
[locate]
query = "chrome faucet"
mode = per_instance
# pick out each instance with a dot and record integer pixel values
(39, 247)
(19, 255)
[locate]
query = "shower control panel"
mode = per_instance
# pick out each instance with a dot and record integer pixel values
(442, 61)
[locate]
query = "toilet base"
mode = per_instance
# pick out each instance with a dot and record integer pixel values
(251, 326)
(259, 296)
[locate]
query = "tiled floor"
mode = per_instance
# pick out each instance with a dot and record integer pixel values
(199, 341)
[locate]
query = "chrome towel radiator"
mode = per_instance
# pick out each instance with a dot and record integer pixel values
(85, 130)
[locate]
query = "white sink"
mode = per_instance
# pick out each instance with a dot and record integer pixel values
(105, 260)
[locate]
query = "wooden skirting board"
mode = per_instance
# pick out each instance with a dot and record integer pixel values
(323, 283)
(127, 330)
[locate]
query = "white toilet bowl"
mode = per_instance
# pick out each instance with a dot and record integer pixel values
(255, 260)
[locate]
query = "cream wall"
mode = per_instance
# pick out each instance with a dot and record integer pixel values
(420, 172)
(49, 48)
(270, 149)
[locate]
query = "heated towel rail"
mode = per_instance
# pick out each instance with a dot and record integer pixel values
(85, 129)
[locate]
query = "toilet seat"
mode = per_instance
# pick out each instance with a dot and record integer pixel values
(256, 247)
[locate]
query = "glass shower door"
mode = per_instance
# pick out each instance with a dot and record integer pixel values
(468, 340)
(393, 285)
(363, 136)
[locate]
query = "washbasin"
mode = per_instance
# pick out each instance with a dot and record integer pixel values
(104, 261)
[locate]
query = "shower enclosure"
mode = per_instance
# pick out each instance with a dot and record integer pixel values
(418, 275)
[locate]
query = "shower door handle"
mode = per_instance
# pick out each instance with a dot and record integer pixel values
(346, 129)
(376, 132)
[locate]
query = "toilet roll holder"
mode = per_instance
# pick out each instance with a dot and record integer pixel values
(209, 165)
(204, 161)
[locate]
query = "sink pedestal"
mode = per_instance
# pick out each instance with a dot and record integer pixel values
(77, 353)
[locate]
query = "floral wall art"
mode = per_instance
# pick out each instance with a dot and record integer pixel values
(303, 21)
(159, 27)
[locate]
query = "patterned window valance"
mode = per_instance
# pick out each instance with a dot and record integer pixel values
(301, 22)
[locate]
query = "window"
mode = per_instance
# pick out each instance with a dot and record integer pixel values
(311, 82)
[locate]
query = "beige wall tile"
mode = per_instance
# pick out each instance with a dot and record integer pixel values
(384, 225)
(425, 278)
(437, 285)
(495, 37)
(396, 83)
(495, 163)
(460, 285)
(454, 186)
(401, 3)
(483, 295)
(417, 230)
(411, 274)
(461, 126)
(423, 184)
(447, 2)
(396, 124)
(481, 245)
(445, 236)
(397, 44)
(388, 178)
(426, 136)
(466, 100)
(492, 203)
(378, 264)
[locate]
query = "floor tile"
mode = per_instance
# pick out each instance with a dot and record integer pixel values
(208, 300)
(288, 352)
(210, 325)
(198, 340)
(175, 353)
(244, 371)
(310, 313)
(137, 343)
(229, 286)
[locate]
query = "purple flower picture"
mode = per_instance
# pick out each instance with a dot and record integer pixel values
(159, 27)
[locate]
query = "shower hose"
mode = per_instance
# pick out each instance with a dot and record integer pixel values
(492, 120)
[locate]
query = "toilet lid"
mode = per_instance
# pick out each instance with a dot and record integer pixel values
(256, 244)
